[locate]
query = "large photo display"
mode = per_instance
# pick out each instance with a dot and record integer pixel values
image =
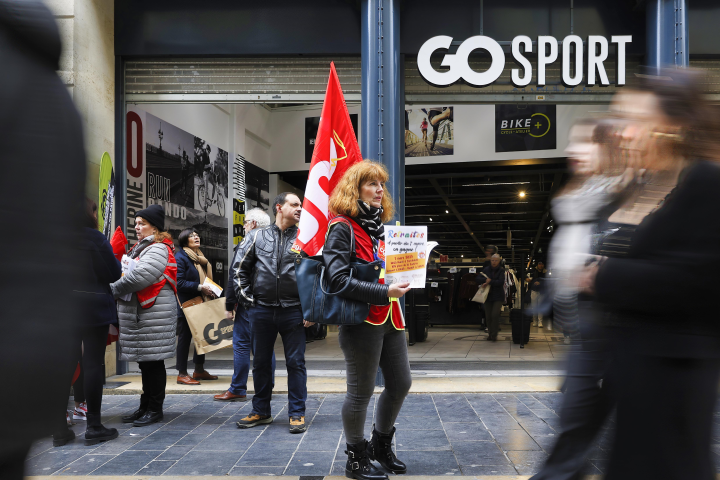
(429, 131)
(185, 174)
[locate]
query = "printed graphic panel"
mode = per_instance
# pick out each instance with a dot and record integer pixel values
(429, 131)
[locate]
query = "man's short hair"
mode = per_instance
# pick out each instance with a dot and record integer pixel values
(280, 200)
(495, 255)
(491, 247)
(259, 216)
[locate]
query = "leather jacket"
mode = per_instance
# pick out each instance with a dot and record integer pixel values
(336, 256)
(265, 268)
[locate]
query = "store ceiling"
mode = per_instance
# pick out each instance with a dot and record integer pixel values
(469, 205)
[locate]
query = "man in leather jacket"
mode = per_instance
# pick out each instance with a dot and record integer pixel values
(265, 285)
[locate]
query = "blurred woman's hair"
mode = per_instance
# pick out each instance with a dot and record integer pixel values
(344, 198)
(91, 217)
(680, 96)
(184, 237)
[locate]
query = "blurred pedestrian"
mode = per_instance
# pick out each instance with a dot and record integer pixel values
(192, 270)
(493, 277)
(91, 337)
(362, 207)
(41, 145)
(242, 331)
(666, 346)
(147, 307)
(536, 293)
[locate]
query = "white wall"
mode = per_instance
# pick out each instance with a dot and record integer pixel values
(288, 133)
(474, 128)
(207, 121)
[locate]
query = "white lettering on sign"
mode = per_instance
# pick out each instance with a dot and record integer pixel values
(547, 54)
(473, 270)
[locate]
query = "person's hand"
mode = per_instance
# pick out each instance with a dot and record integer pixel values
(206, 290)
(586, 278)
(307, 324)
(397, 290)
(229, 315)
(487, 282)
(536, 283)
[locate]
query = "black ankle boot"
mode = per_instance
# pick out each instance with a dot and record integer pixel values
(380, 450)
(358, 464)
(135, 415)
(96, 431)
(62, 437)
(149, 418)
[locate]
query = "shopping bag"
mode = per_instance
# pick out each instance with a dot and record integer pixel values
(210, 329)
(482, 293)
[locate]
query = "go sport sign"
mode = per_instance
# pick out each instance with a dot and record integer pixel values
(593, 57)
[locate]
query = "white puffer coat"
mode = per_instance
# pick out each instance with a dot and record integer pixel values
(146, 334)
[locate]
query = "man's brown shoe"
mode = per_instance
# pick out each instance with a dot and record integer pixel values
(204, 375)
(228, 396)
(186, 380)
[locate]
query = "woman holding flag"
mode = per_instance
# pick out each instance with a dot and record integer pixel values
(360, 207)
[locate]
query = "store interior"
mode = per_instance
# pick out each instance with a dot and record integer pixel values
(468, 196)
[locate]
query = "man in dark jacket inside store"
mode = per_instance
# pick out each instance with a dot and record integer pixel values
(493, 276)
(265, 285)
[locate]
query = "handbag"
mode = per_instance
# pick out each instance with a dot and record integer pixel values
(482, 293)
(331, 308)
(192, 302)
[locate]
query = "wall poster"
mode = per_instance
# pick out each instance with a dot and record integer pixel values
(429, 131)
(520, 128)
(257, 187)
(185, 174)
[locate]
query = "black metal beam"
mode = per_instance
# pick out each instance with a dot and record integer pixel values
(486, 174)
(452, 208)
(409, 198)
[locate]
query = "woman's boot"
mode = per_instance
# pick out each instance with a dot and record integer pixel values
(380, 450)
(96, 432)
(358, 464)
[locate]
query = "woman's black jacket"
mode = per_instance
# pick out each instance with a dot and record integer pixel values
(103, 269)
(663, 292)
(337, 256)
(188, 279)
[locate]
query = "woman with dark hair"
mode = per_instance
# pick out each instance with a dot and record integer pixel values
(147, 310)
(192, 270)
(666, 339)
(90, 338)
(361, 206)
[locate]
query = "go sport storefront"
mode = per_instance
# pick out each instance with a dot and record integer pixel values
(240, 87)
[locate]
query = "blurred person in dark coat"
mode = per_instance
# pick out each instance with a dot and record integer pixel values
(666, 345)
(42, 185)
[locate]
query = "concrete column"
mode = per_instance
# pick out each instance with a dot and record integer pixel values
(667, 33)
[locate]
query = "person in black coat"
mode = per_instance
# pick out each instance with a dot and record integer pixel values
(493, 277)
(91, 336)
(42, 143)
(189, 287)
(664, 328)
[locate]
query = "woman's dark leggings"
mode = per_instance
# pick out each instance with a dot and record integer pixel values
(154, 380)
(90, 343)
(366, 346)
(183, 347)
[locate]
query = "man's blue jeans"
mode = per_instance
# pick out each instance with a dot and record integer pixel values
(242, 348)
(266, 323)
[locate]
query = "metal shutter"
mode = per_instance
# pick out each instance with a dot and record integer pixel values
(274, 80)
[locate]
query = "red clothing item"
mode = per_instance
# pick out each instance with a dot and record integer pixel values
(379, 314)
(424, 125)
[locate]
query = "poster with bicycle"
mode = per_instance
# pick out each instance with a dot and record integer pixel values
(187, 176)
(429, 131)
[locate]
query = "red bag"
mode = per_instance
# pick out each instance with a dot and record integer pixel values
(119, 242)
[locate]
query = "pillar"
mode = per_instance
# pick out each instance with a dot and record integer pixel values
(667, 33)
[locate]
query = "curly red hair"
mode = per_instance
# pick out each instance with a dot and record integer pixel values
(343, 200)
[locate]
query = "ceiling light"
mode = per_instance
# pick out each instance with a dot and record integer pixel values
(431, 219)
(446, 211)
(522, 194)
(462, 256)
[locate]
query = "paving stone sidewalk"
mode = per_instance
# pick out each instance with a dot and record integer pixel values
(444, 434)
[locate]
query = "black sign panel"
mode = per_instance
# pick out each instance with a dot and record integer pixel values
(311, 129)
(520, 128)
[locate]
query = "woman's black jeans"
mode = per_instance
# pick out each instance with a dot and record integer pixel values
(183, 347)
(366, 346)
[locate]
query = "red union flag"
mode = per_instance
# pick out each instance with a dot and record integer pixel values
(336, 150)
